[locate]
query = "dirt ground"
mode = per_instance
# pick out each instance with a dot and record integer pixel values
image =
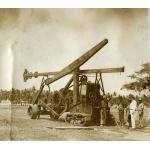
(15, 125)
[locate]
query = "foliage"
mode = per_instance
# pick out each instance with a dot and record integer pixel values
(16, 95)
(140, 80)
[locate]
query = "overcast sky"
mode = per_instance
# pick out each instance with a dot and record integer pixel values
(49, 39)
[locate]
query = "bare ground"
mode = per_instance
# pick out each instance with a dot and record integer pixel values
(15, 125)
(5, 122)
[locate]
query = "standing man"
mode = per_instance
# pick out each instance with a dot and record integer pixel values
(140, 112)
(133, 107)
(128, 116)
(96, 105)
(121, 113)
(103, 112)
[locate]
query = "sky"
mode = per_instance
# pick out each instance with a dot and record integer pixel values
(49, 39)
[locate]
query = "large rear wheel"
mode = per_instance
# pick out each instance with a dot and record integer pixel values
(33, 111)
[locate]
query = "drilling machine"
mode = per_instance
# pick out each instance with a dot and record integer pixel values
(78, 104)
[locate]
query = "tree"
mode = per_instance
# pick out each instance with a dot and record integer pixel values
(141, 80)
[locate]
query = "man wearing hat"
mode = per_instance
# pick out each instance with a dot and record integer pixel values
(140, 112)
(133, 107)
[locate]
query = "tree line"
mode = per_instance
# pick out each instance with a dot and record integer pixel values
(139, 86)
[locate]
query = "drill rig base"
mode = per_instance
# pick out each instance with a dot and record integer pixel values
(89, 109)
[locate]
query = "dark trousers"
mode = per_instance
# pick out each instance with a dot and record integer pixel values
(121, 117)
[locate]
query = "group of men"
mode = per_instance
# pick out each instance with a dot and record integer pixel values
(134, 110)
(131, 111)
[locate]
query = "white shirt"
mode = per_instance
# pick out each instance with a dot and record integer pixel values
(133, 105)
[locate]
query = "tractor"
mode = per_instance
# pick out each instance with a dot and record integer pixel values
(79, 101)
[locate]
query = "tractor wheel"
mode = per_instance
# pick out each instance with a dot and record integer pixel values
(33, 111)
(78, 121)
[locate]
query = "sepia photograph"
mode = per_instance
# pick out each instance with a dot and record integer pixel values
(74, 74)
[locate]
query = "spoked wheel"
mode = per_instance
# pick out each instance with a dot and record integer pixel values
(33, 111)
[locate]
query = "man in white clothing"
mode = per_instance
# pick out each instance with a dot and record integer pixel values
(133, 107)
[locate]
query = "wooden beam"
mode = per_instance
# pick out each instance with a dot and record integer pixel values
(73, 128)
(77, 63)
(104, 70)
(28, 74)
(67, 85)
(102, 84)
(49, 108)
(75, 86)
